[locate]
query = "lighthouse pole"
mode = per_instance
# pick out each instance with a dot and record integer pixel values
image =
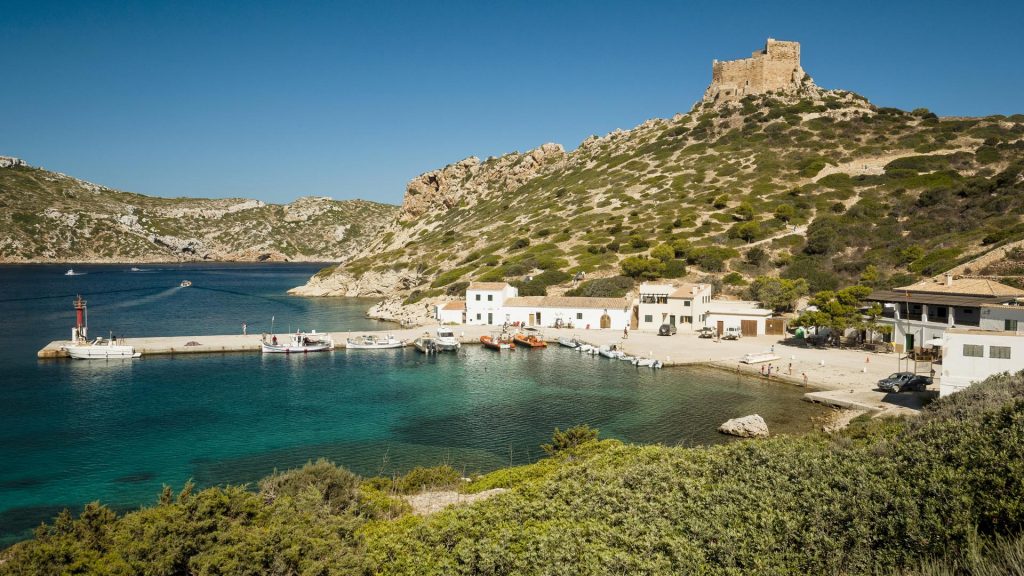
(81, 330)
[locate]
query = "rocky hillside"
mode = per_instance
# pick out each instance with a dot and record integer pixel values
(812, 183)
(50, 217)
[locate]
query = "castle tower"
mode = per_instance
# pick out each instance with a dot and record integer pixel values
(776, 67)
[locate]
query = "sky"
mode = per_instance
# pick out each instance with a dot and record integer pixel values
(277, 100)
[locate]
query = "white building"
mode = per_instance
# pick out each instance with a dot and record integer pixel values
(453, 312)
(747, 316)
(1007, 317)
(485, 302)
(682, 305)
(582, 313)
(969, 356)
(926, 310)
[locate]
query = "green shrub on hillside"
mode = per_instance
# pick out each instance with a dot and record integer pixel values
(613, 287)
(642, 267)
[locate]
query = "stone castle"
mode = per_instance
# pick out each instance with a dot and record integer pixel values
(776, 67)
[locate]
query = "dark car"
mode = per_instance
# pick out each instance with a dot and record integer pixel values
(667, 330)
(904, 381)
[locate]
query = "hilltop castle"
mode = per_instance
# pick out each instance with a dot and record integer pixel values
(776, 67)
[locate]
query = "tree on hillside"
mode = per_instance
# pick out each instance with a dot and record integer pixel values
(663, 252)
(642, 267)
(841, 310)
(779, 294)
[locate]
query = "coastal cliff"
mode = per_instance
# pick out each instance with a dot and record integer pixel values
(51, 217)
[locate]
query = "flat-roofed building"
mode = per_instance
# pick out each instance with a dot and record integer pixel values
(682, 305)
(972, 355)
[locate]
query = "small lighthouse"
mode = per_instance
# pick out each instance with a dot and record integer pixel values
(81, 330)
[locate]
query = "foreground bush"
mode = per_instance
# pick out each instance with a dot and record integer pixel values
(939, 494)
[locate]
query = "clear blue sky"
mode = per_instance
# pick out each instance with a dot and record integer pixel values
(279, 100)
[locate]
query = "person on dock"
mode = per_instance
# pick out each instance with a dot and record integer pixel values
(790, 369)
(625, 333)
(244, 328)
(805, 378)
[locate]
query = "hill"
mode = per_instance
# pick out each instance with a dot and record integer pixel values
(50, 217)
(797, 181)
(930, 494)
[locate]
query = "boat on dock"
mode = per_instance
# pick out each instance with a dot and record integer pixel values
(426, 344)
(374, 342)
(499, 342)
(759, 357)
(568, 342)
(529, 340)
(446, 340)
(101, 349)
(300, 343)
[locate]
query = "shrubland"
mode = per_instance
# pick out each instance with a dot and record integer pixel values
(940, 493)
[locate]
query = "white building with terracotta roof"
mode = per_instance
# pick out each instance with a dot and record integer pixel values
(581, 313)
(682, 305)
(453, 312)
(485, 302)
(922, 312)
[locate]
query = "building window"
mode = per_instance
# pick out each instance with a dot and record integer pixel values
(1000, 352)
(974, 350)
(477, 299)
(648, 318)
(490, 297)
(687, 319)
(686, 303)
(1010, 325)
(654, 298)
(579, 315)
(477, 316)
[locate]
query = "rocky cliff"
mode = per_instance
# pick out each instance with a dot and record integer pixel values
(51, 217)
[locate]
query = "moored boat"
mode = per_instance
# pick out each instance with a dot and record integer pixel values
(374, 342)
(186, 283)
(529, 340)
(101, 349)
(300, 343)
(610, 352)
(647, 363)
(501, 342)
(426, 344)
(568, 342)
(446, 340)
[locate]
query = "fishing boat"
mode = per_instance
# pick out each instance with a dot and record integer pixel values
(374, 342)
(446, 340)
(568, 342)
(426, 344)
(500, 342)
(610, 352)
(300, 343)
(529, 340)
(101, 349)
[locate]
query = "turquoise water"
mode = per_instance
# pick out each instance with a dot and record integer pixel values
(75, 431)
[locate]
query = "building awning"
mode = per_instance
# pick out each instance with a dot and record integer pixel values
(932, 298)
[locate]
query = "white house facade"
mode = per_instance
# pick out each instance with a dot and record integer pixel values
(451, 312)
(683, 306)
(485, 302)
(581, 313)
(969, 356)
(745, 315)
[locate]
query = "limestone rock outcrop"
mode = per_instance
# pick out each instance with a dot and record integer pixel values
(752, 426)
(10, 162)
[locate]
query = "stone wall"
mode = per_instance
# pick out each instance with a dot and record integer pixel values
(776, 67)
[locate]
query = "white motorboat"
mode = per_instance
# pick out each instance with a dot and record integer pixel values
(300, 342)
(100, 349)
(568, 342)
(585, 348)
(647, 363)
(71, 272)
(426, 344)
(609, 352)
(446, 340)
(373, 342)
(627, 358)
(185, 283)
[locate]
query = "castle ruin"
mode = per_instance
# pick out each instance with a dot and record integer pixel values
(776, 67)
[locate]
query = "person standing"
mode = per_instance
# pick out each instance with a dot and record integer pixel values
(790, 368)
(805, 378)
(244, 328)
(625, 332)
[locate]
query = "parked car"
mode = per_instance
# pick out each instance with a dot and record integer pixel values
(706, 332)
(732, 333)
(904, 381)
(667, 330)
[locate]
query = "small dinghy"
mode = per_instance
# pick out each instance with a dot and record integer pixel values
(585, 349)
(610, 352)
(529, 340)
(647, 363)
(568, 342)
(300, 343)
(374, 342)
(500, 342)
(426, 344)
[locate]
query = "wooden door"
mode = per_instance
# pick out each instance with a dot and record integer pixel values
(529, 319)
(775, 326)
(606, 321)
(634, 320)
(748, 327)
(720, 327)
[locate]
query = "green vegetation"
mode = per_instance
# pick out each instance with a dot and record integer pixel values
(936, 494)
(614, 287)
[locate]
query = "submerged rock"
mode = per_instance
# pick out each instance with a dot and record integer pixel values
(752, 426)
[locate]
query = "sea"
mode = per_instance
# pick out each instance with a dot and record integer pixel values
(76, 431)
